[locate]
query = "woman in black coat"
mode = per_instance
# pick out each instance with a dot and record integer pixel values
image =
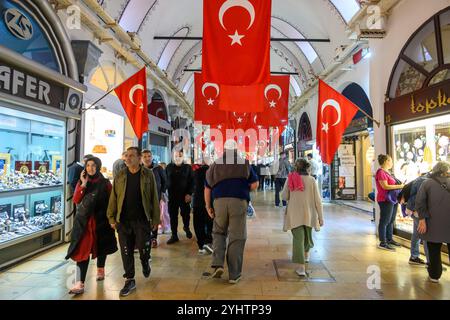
(91, 233)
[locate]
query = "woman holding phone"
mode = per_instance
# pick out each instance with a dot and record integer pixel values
(91, 233)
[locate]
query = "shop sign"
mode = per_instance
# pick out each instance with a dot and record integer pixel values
(23, 85)
(421, 104)
(164, 130)
(358, 124)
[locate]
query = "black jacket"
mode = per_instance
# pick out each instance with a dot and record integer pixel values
(161, 179)
(180, 181)
(199, 186)
(95, 202)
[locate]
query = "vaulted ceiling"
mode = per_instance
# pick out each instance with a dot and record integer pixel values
(320, 19)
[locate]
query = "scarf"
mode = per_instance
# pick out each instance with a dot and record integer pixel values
(295, 182)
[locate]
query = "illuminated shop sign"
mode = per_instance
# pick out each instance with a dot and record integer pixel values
(424, 103)
(23, 85)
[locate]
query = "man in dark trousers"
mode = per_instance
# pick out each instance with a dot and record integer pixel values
(202, 221)
(133, 211)
(180, 184)
(160, 178)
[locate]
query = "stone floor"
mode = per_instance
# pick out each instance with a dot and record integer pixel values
(343, 259)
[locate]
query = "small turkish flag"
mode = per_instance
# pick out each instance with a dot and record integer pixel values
(236, 41)
(207, 102)
(132, 94)
(334, 114)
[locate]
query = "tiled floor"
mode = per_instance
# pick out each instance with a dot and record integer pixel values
(345, 248)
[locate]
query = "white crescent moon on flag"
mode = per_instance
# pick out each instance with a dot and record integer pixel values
(160, 109)
(212, 85)
(254, 119)
(273, 87)
(132, 91)
(236, 116)
(333, 103)
(237, 3)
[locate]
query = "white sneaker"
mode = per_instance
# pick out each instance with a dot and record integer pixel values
(208, 248)
(433, 280)
(301, 272)
(201, 251)
(234, 281)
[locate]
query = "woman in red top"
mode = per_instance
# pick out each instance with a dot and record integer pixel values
(388, 211)
(91, 233)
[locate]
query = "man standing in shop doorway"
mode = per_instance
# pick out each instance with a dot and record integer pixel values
(133, 211)
(280, 179)
(160, 178)
(180, 184)
(314, 166)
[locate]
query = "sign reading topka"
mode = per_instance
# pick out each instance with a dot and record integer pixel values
(23, 85)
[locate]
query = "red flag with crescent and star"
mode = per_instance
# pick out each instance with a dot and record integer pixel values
(207, 102)
(334, 114)
(236, 41)
(132, 94)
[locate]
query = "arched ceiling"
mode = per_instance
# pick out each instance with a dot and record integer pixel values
(323, 19)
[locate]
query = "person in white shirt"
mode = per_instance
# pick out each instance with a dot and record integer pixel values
(315, 168)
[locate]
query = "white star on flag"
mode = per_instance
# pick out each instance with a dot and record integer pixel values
(239, 119)
(272, 104)
(325, 127)
(210, 102)
(236, 38)
(219, 126)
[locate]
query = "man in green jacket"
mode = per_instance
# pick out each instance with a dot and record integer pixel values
(133, 211)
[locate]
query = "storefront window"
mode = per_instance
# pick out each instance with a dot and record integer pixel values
(417, 147)
(32, 166)
(104, 137)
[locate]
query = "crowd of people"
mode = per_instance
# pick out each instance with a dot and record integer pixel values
(146, 199)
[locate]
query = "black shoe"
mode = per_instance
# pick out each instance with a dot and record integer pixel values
(172, 240)
(394, 243)
(386, 246)
(417, 261)
(146, 269)
(188, 233)
(130, 285)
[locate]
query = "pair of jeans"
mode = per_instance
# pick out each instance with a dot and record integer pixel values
(134, 234)
(203, 226)
(82, 267)
(415, 241)
(435, 262)
(279, 184)
(388, 214)
(185, 210)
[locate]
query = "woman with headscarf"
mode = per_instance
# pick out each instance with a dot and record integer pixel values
(91, 233)
(303, 213)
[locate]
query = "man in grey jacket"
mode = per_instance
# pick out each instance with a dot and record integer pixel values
(229, 182)
(280, 179)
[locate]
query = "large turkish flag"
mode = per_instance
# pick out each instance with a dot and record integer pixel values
(207, 102)
(334, 114)
(276, 102)
(133, 96)
(236, 41)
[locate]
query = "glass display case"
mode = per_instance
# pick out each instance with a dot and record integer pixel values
(417, 146)
(31, 175)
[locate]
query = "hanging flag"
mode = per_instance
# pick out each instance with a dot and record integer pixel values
(236, 41)
(334, 114)
(242, 98)
(132, 94)
(207, 102)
